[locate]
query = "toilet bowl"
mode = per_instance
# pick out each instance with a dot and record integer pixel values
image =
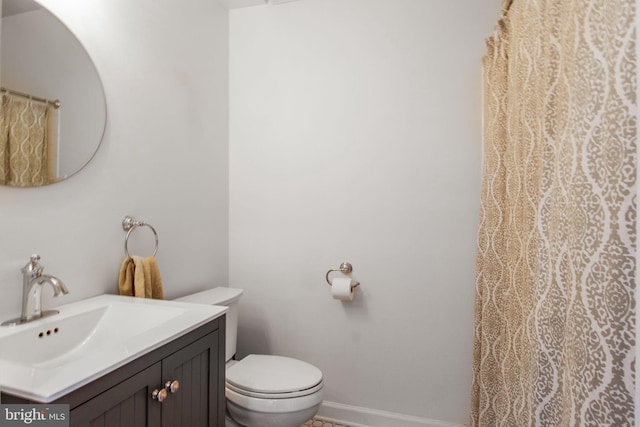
(262, 390)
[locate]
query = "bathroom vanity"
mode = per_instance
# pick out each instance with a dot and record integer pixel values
(177, 383)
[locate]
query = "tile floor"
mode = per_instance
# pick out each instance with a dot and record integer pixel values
(319, 423)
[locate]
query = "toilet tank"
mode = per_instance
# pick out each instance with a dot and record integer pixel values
(227, 297)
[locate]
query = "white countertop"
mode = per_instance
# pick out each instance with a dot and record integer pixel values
(93, 337)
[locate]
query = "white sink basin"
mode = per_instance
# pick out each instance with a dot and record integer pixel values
(48, 358)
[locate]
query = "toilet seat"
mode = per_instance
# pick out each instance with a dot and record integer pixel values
(273, 377)
(288, 395)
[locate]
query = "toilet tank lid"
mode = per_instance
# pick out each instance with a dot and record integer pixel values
(215, 296)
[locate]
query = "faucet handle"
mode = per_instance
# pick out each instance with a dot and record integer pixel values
(33, 268)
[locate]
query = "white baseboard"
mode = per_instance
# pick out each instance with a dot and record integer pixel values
(355, 416)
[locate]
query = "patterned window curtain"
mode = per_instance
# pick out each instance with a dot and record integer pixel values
(555, 315)
(23, 142)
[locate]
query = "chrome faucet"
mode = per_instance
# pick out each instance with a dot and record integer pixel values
(32, 283)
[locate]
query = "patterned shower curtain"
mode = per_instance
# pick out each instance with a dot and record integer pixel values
(23, 142)
(554, 337)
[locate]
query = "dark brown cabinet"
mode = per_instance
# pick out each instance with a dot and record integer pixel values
(126, 404)
(193, 363)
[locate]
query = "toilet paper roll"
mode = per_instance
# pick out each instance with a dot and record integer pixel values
(342, 288)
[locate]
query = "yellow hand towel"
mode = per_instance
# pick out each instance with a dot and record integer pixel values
(140, 277)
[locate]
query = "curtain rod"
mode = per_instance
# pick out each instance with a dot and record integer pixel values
(55, 104)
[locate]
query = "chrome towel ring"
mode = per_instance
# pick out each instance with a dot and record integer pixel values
(129, 224)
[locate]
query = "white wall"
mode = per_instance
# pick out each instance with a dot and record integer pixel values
(355, 136)
(164, 157)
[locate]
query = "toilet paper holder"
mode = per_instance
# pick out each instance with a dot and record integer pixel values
(345, 268)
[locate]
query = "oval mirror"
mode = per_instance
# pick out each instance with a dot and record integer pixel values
(53, 109)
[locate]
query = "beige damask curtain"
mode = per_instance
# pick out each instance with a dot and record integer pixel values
(23, 142)
(554, 338)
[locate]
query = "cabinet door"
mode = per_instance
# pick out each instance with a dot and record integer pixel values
(196, 369)
(127, 404)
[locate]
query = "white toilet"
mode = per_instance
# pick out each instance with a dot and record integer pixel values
(262, 390)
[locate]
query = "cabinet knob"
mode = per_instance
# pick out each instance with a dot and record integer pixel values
(172, 386)
(159, 395)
